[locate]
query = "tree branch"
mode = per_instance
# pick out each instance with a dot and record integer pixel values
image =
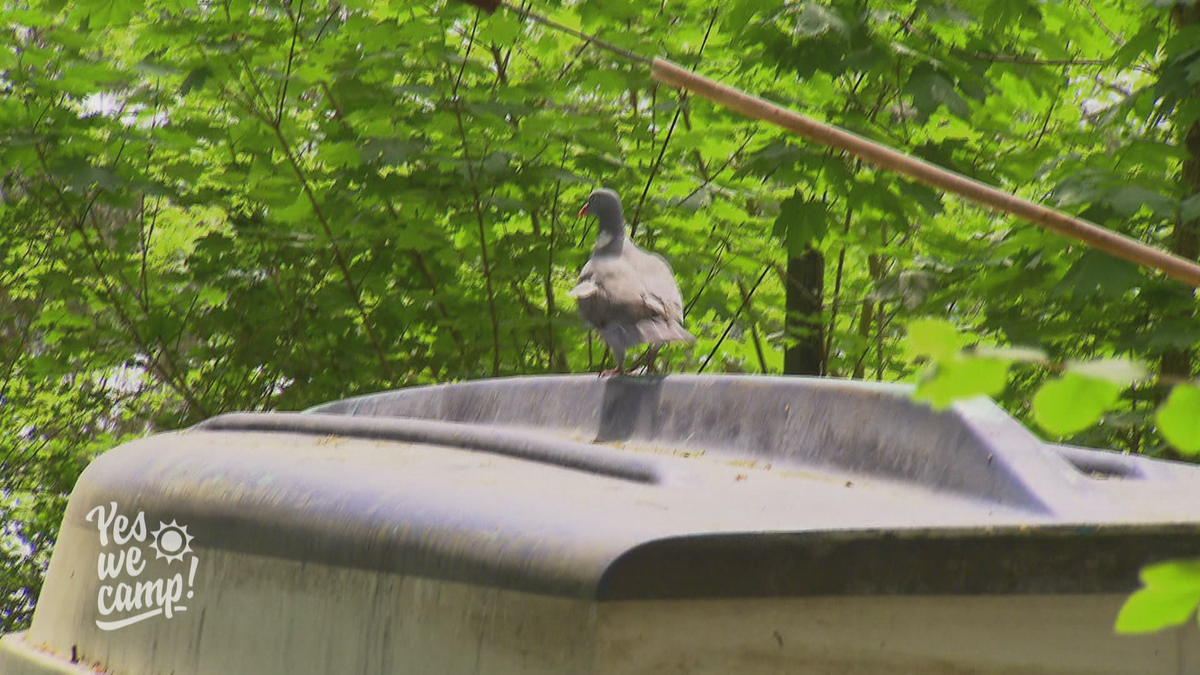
(683, 97)
(478, 205)
(733, 320)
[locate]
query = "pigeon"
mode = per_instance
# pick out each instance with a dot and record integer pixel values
(627, 295)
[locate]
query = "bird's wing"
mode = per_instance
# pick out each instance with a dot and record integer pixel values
(585, 287)
(662, 293)
(610, 291)
(630, 300)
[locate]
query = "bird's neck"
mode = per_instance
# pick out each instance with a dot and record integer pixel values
(610, 240)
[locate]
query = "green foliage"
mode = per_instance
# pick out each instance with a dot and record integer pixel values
(1073, 402)
(253, 205)
(936, 338)
(962, 377)
(801, 223)
(954, 375)
(1179, 419)
(1062, 405)
(1169, 596)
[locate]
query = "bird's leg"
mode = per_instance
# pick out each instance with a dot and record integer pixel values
(619, 355)
(648, 359)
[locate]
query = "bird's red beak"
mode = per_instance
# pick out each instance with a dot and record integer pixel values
(583, 211)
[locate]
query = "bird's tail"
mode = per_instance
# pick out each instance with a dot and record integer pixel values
(648, 331)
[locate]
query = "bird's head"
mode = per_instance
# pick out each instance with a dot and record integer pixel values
(606, 206)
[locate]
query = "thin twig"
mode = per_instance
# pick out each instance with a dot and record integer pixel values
(251, 105)
(549, 290)
(762, 360)
(417, 258)
(733, 320)
(732, 158)
(1100, 22)
(169, 375)
(526, 14)
(637, 215)
(287, 73)
(478, 206)
(837, 290)
(712, 272)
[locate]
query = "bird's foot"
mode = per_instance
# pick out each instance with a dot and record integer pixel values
(642, 371)
(612, 371)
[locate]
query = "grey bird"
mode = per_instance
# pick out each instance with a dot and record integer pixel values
(628, 295)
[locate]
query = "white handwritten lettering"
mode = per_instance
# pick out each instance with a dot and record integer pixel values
(149, 598)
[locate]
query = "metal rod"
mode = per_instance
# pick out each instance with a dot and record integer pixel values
(1104, 239)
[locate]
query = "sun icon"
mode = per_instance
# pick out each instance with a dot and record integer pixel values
(171, 541)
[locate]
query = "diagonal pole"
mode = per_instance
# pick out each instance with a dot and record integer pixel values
(884, 157)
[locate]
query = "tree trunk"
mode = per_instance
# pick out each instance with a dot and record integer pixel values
(1176, 362)
(866, 316)
(804, 353)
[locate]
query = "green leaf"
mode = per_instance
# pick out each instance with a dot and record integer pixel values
(1179, 419)
(1172, 574)
(1181, 333)
(936, 338)
(1130, 199)
(801, 223)
(1170, 595)
(771, 158)
(963, 377)
(929, 199)
(299, 210)
(108, 12)
(1151, 610)
(931, 89)
(1097, 272)
(1145, 41)
(1072, 403)
(340, 155)
(503, 27)
(1190, 208)
(194, 80)
(391, 150)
